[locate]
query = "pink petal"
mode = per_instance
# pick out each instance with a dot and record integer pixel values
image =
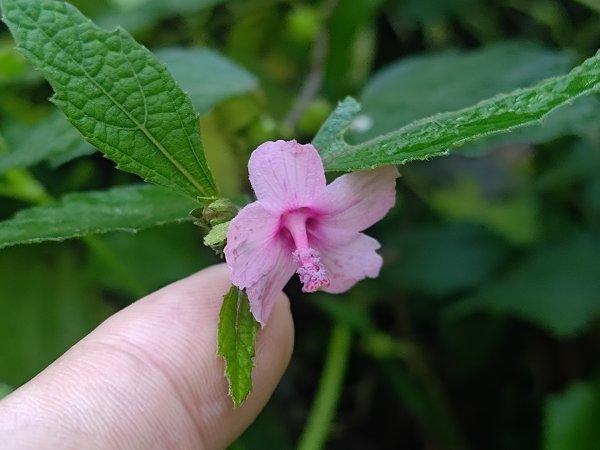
(264, 292)
(355, 201)
(348, 263)
(252, 245)
(286, 175)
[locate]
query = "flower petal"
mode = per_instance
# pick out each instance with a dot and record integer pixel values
(286, 175)
(252, 245)
(348, 263)
(355, 201)
(264, 292)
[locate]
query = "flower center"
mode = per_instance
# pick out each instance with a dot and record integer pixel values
(311, 271)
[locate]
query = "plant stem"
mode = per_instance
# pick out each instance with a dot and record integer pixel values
(324, 406)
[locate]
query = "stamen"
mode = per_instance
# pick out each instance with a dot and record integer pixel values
(311, 271)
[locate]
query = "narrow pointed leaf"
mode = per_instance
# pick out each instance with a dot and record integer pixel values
(128, 208)
(115, 92)
(236, 343)
(436, 135)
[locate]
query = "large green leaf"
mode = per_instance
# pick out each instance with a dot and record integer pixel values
(129, 208)
(115, 92)
(45, 307)
(207, 77)
(421, 86)
(436, 135)
(571, 418)
(556, 288)
(236, 341)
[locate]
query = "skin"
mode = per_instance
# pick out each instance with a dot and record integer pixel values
(148, 378)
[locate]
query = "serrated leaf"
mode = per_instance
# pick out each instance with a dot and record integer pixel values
(236, 343)
(129, 208)
(436, 135)
(207, 77)
(115, 92)
(420, 86)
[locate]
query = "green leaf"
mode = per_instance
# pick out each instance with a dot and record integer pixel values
(571, 418)
(421, 86)
(236, 343)
(53, 139)
(436, 135)
(207, 77)
(556, 288)
(444, 259)
(128, 208)
(115, 92)
(217, 234)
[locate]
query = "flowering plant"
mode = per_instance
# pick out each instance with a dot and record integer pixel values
(164, 115)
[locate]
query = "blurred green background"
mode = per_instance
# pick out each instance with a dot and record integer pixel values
(482, 331)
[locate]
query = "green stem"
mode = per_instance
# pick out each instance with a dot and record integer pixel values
(324, 406)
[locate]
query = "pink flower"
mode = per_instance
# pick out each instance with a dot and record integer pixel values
(298, 224)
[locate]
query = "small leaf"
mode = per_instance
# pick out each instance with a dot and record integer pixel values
(217, 234)
(128, 208)
(436, 135)
(236, 343)
(115, 92)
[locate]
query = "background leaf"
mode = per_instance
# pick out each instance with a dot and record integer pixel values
(207, 77)
(131, 109)
(571, 418)
(236, 343)
(54, 139)
(128, 208)
(555, 288)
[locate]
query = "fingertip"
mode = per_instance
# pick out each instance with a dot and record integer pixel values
(149, 375)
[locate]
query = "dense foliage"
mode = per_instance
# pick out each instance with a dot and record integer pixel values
(482, 330)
